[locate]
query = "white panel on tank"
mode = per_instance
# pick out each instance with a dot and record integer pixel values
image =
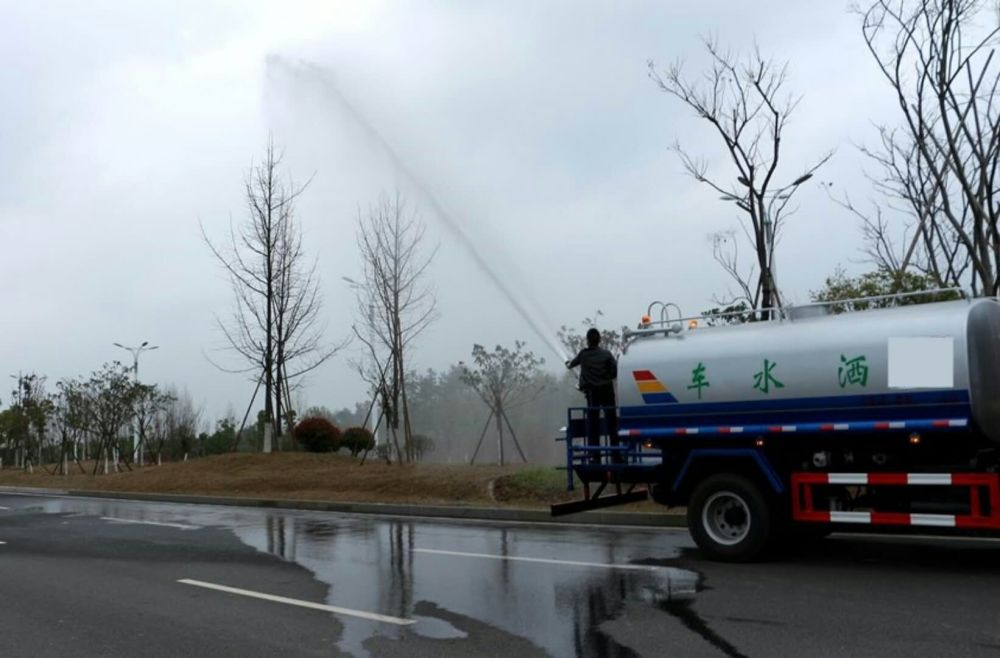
(922, 362)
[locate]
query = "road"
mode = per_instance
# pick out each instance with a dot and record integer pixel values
(88, 577)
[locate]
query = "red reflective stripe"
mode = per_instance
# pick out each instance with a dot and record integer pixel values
(977, 522)
(774, 428)
(643, 375)
(887, 478)
(810, 478)
(881, 426)
(680, 430)
(972, 479)
(940, 423)
(823, 517)
(725, 430)
(826, 428)
(890, 518)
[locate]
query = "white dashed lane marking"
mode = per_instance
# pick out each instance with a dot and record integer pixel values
(361, 614)
(181, 526)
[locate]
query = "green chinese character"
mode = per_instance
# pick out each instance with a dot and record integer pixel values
(698, 380)
(853, 371)
(764, 381)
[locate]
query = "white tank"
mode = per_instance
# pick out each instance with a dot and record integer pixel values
(920, 361)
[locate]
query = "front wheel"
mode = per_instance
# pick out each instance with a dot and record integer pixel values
(729, 518)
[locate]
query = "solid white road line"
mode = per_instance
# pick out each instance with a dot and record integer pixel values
(3, 543)
(182, 526)
(904, 537)
(541, 560)
(4, 508)
(371, 616)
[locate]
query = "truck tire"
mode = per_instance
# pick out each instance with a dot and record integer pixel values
(729, 518)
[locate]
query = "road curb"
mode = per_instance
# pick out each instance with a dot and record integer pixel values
(643, 519)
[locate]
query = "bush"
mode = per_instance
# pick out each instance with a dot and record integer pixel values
(358, 440)
(317, 435)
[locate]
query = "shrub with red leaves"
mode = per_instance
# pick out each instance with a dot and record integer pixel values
(317, 435)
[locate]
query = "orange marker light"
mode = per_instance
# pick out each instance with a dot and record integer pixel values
(914, 439)
(759, 443)
(645, 321)
(693, 324)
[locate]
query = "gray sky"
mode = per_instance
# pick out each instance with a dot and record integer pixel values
(534, 124)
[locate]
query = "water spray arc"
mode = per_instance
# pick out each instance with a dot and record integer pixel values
(311, 72)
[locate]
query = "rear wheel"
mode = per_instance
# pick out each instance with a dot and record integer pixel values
(729, 518)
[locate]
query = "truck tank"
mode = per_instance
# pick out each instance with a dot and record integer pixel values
(926, 361)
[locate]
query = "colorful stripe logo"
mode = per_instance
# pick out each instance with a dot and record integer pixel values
(652, 389)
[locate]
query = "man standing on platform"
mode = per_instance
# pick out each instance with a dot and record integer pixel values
(598, 371)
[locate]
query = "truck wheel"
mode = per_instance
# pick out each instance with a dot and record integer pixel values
(729, 518)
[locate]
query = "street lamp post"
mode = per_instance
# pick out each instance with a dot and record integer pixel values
(767, 224)
(376, 407)
(135, 352)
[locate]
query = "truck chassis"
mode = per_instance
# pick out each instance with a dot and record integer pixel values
(749, 487)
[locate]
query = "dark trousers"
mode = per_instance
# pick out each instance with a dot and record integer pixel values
(598, 398)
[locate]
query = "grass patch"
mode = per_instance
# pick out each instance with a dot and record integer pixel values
(544, 484)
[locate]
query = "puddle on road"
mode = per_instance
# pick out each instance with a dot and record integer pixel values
(680, 606)
(436, 629)
(369, 564)
(667, 585)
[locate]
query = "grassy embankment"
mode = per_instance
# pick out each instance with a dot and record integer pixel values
(336, 478)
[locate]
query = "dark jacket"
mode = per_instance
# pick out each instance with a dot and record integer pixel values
(598, 367)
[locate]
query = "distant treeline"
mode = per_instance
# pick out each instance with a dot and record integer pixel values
(450, 417)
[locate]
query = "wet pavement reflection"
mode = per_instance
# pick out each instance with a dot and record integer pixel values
(462, 583)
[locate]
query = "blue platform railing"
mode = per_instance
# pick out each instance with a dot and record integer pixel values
(579, 452)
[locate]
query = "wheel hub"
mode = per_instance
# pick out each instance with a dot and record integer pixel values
(726, 518)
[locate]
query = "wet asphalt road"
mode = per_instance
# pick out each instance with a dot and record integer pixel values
(85, 577)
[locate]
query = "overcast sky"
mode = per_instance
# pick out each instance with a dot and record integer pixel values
(534, 124)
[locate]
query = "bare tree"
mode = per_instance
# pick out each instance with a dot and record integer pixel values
(149, 401)
(503, 379)
(395, 305)
(274, 328)
(939, 166)
(176, 422)
(299, 346)
(744, 100)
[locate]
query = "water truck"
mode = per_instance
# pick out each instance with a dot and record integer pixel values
(809, 421)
